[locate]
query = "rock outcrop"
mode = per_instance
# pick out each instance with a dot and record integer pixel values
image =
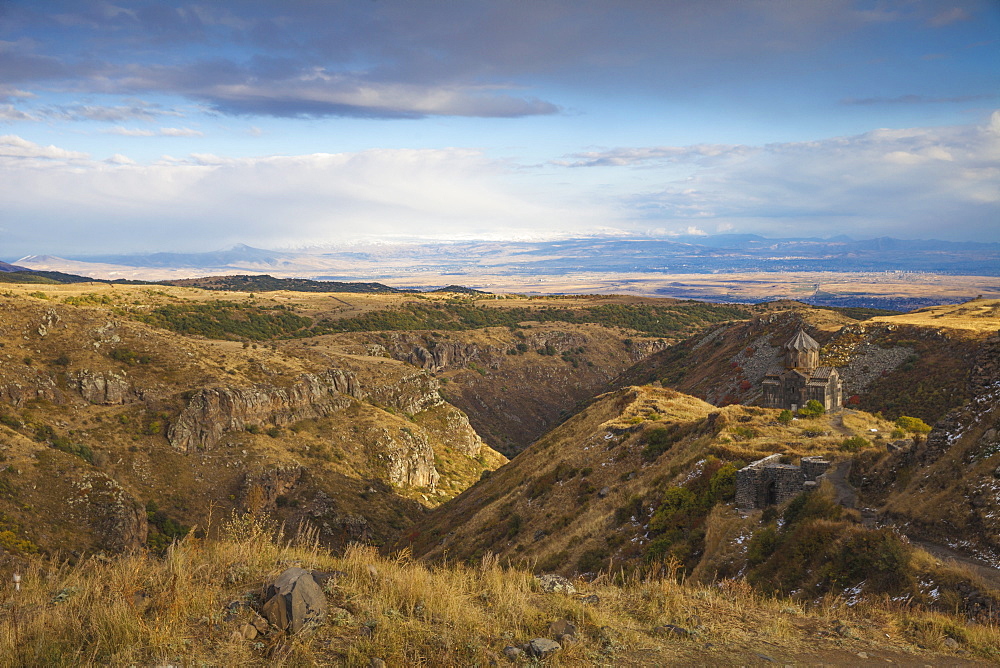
(410, 394)
(31, 385)
(107, 388)
(212, 412)
(117, 518)
(261, 490)
(402, 457)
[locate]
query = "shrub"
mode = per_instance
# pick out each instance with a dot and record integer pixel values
(878, 557)
(742, 433)
(593, 560)
(811, 506)
(785, 417)
(10, 421)
(812, 408)
(854, 443)
(912, 424)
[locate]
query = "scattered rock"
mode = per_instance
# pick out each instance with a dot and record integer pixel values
(555, 584)
(249, 631)
(567, 639)
(862, 655)
(604, 492)
(376, 663)
(259, 623)
(951, 643)
(562, 626)
(591, 599)
(293, 600)
(900, 444)
(512, 653)
(671, 630)
(844, 631)
(543, 647)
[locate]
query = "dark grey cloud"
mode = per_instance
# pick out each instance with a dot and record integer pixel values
(414, 58)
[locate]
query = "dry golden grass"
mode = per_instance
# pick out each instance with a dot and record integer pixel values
(979, 315)
(139, 610)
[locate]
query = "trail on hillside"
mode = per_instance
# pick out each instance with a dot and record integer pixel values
(847, 497)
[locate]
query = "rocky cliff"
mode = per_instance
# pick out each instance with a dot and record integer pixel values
(212, 412)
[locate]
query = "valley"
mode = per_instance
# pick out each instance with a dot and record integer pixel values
(593, 437)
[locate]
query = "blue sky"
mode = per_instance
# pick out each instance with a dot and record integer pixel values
(137, 126)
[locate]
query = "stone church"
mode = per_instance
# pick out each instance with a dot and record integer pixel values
(802, 379)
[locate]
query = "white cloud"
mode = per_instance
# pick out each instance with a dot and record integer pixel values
(119, 159)
(208, 201)
(14, 150)
(929, 182)
(9, 112)
(180, 132)
(129, 132)
(162, 132)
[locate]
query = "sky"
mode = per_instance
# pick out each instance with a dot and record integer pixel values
(185, 126)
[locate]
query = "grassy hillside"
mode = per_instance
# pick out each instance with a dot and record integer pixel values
(190, 607)
(91, 405)
(647, 475)
(928, 356)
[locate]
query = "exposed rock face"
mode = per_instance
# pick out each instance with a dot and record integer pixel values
(212, 412)
(261, 491)
(451, 354)
(117, 518)
(403, 457)
(106, 388)
(411, 394)
(33, 385)
(452, 426)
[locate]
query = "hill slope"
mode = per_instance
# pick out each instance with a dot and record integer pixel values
(120, 433)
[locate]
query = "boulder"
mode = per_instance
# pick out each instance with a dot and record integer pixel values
(293, 600)
(671, 630)
(552, 584)
(562, 626)
(512, 653)
(541, 648)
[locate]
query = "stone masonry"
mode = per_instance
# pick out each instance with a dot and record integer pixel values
(767, 481)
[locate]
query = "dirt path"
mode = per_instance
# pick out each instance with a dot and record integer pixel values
(847, 496)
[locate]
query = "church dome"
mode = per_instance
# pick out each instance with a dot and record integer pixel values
(801, 342)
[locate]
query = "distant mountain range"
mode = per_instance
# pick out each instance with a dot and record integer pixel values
(11, 267)
(683, 254)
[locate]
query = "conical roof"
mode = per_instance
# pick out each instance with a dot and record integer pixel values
(802, 341)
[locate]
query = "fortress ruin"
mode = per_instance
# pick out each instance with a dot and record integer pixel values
(768, 481)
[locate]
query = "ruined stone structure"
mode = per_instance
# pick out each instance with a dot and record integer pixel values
(767, 481)
(802, 379)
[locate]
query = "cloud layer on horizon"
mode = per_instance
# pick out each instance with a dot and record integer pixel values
(913, 182)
